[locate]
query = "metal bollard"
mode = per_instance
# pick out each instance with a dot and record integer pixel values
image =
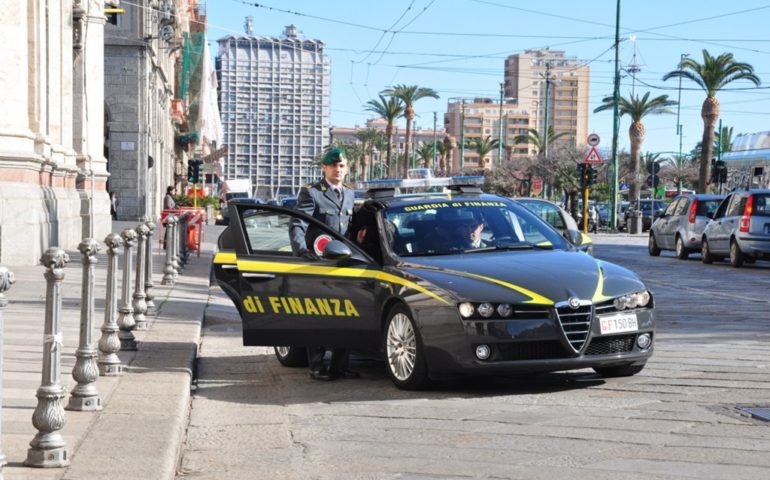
(84, 397)
(48, 449)
(168, 268)
(185, 245)
(139, 304)
(109, 343)
(6, 280)
(182, 233)
(148, 285)
(126, 318)
(175, 247)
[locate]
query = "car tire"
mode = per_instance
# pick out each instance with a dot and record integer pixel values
(652, 246)
(705, 252)
(291, 356)
(404, 353)
(619, 370)
(681, 251)
(736, 256)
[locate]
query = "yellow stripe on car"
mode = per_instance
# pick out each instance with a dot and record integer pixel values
(599, 295)
(534, 297)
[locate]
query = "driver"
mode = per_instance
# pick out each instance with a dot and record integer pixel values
(458, 229)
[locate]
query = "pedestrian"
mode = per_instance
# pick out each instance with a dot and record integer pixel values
(168, 201)
(114, 205)
(330, 201)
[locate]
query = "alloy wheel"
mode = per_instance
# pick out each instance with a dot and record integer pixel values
(401, 346)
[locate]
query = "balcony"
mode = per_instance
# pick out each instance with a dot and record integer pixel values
(177, 111)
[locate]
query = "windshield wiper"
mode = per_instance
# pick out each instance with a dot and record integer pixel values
(523, 246)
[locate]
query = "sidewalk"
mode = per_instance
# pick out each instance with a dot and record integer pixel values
(140, 429)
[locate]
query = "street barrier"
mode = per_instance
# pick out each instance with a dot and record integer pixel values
(6, 280)
(148, 285)
(169, 273)
(109, 343)
(140, 304)
(84, 397)
(126, 321)
(193, 232)
(48, 448)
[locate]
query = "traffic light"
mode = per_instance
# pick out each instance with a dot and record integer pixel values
(591, 176)
(581, 168)
(193, 171)
(587, 175)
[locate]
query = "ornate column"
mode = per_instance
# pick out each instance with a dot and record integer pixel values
(109, 343)
(148, 285)
(84, 396)
(6, 280)
(126, 318)
(139, 304)
(48, 449)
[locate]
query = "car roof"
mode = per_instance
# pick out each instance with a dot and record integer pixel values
(430, 197)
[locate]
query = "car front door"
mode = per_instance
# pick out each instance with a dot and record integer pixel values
(285, 299)
(665, 226)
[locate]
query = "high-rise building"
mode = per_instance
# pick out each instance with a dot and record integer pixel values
(567, 86)
(274, 103)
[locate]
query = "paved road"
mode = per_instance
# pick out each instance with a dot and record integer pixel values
(252, 418)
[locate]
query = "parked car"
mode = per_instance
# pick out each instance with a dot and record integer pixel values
(621, 218)
(289, 202)
(651, 209)
(681, 226)
(558, 218)
(740, 229)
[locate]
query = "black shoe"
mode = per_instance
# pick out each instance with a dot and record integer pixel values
(347, 374)
(322, 375)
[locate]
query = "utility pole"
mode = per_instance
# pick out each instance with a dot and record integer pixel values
(615, 126)
(462, 136)
(500, 135)
(634, 68)
(679, 161)
(433, 165)
(545, 118)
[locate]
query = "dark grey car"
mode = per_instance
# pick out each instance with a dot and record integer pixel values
(681, 226)
(740, 229)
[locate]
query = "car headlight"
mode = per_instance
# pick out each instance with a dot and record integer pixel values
(486, 310)
(504, 310)
(466, 309)
(633, 300)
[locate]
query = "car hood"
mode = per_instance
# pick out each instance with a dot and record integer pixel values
(534, 276)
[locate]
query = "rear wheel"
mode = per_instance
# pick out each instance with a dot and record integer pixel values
(652, 246)
(291, 356)
(404, 351)
(736, 256)
(619, 370)
(681, 251)
(705, 252)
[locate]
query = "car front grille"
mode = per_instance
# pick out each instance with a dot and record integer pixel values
(610, 345)
(576, 323)
(544, 350)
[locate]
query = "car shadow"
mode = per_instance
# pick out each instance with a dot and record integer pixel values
(260, 380)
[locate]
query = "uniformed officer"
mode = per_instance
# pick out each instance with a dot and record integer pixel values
(331, 202)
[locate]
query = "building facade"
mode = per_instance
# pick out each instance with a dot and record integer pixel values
(568, 82)
(52, 168)
(274, 104)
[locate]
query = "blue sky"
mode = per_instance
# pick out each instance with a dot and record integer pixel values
(458, 47)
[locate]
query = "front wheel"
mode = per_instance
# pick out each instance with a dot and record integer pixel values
(681, 251)
(652, 246)
(291, 356)
(619, 370)
(736, 256)
(404, 351)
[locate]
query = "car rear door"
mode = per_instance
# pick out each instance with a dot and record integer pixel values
(289, 300)
(726, 224)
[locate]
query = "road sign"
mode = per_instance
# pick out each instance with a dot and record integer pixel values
(593, 156)
(537, 185)
(593, 139)
(653, 181)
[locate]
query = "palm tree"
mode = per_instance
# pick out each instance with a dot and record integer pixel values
(712, 76)
(369, 139)
(409, 94)
(483, 146)
(637, 108)
(389, 109)
(539, 143)
(425, 153)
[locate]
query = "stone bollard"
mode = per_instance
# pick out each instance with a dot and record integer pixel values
(109, 343)
(175, 246)
(6, 280)
(140, 304)
(168, 268)
(148, 285)
(126, 318)
(185, 245)
(84, 397)
(48, 449)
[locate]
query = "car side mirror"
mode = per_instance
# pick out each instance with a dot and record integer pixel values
(574, 237)
(337, 250)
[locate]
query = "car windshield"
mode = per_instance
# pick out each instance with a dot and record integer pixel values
(647, 206)
(440, 227)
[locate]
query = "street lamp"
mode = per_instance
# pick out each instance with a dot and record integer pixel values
(679, 125)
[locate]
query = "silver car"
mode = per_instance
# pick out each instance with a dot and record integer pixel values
(681, 226)
(740, 229)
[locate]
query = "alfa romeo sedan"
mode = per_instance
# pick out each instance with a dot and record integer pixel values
(450, 284)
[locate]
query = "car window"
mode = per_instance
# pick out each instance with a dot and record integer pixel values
(548, 212)
(707, 207)
(737, 203)
(723, 207)
(681, 207)
(267, 232)
(447, 226)
(675, 206)
(761, 205)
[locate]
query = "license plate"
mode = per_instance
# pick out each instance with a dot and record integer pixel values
(621, 322)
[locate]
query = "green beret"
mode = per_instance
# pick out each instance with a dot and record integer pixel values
(333, 156)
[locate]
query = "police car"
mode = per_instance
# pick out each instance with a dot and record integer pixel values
(454, 283)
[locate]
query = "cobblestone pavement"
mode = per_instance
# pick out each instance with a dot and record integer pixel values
(252, 418)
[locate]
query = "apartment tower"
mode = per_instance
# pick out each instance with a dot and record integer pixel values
(274, 103)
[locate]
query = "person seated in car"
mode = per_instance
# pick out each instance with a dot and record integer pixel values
(457, 230)
(364, 231)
